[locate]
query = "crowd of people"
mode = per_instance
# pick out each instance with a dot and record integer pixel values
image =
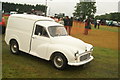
(88, 25)
(66, 21)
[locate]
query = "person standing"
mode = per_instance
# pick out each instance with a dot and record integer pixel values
(66, 23)
(87, 26)
(3, 25)
(70, 24)
(95, 24)
(98, 24)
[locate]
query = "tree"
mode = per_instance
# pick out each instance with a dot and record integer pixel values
(85, 9)
(8, 7)
(40, 7)
(111, 16)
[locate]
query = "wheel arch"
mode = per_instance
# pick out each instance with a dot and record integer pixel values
(13, 40)
(57, 52)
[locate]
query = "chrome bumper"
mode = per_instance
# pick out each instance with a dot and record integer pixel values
(81, 62)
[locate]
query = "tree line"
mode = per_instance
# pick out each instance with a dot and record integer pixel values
(8, 7)
(111, 16)
(85, 9)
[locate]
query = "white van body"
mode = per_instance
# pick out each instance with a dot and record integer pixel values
(20, 28)
(13, 12)
(23, 29)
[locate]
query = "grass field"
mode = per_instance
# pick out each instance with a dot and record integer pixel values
(105, 64)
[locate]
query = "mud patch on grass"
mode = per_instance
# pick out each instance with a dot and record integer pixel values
(106, 39)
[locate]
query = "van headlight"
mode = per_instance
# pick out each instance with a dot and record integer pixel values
(76, 55)
(91, 49)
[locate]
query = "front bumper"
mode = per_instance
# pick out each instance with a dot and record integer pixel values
(81, 62)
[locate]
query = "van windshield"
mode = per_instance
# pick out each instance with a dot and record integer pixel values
(57, 31)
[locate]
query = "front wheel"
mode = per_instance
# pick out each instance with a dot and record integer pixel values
(59, 61)
(14, 48)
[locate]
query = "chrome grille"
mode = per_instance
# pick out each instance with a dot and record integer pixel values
(84, 57)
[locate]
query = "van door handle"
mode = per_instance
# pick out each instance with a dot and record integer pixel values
(34, 37)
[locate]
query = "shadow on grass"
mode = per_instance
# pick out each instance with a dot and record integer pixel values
(49, 64)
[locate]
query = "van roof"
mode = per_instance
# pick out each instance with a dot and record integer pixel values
(32, 17)
(48, 23)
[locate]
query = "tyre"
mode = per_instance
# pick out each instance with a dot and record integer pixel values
(59, 61)
(14, 48)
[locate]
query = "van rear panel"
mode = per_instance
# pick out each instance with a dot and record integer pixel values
(20, 29)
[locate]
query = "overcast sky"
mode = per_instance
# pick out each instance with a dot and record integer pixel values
(67, 6)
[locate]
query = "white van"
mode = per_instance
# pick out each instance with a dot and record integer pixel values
(44, 38)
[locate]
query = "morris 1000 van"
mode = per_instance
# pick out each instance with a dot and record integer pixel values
(43, 37)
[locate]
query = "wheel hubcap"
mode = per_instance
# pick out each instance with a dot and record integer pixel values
(58, 61)
(14, 48)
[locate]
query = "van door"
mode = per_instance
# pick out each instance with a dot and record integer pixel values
(40, 42)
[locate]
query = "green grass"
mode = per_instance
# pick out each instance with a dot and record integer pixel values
(0, 56)
(102, 27)
(108, 28)
(105, 65)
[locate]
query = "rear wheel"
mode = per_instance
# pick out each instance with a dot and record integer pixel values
(59, 61)
(14, 48)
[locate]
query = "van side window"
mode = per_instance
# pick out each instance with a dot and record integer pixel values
(40, 30)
